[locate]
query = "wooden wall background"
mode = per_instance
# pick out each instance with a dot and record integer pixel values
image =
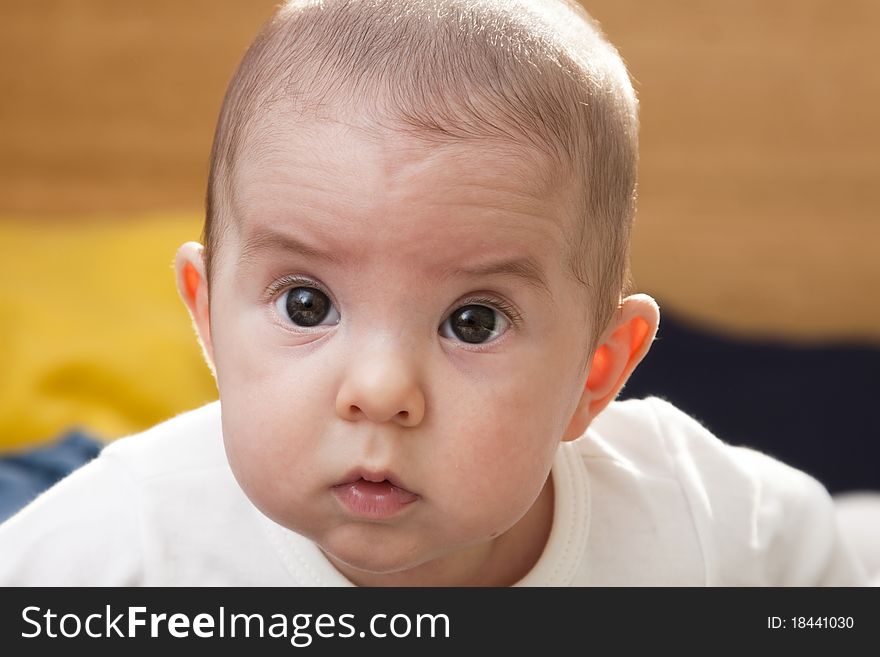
(760, 181)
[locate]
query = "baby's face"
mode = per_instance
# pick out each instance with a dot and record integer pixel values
(398, 345)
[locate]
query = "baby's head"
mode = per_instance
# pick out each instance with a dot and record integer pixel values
(416, 248)
(534, 80)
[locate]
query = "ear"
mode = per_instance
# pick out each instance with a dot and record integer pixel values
(192, 284)
(620, 348)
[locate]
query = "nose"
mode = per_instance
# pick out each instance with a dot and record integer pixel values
(382, 387)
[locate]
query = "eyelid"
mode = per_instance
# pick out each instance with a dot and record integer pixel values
(504, 307)
(291, 281)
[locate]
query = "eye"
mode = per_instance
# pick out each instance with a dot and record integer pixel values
(307, 306)
(474, 324)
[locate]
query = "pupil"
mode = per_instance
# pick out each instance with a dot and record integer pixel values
(307, 306)
(474, 324)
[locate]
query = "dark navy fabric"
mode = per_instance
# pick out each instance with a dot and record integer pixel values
(25, 475)
(814, 407)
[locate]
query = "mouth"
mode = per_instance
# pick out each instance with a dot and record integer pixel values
(373, 495)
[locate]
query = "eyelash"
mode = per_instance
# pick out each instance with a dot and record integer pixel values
(503, 307)
(283, 284)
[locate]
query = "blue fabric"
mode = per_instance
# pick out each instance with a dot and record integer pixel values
(24, 476)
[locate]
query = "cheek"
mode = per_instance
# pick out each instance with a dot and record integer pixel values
(505, 443)
(535, 397)
(273, 429)
(276, 456)
(262, 381)
(275, 403)
(515, 420)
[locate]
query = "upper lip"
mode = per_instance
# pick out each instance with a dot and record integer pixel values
(372, 475)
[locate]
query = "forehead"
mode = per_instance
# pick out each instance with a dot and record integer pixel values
(367, 191)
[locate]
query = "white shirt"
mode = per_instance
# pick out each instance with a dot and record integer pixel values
(646, 497)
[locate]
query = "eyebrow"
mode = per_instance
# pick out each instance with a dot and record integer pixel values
(524, 269)
(271, 240)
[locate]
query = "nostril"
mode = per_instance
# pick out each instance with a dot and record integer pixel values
(355, 413)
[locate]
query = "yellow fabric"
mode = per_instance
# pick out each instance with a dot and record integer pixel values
(92, 332)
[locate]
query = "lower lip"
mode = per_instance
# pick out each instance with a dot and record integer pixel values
(373, 500)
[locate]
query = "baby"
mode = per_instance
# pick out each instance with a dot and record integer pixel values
(413, 295)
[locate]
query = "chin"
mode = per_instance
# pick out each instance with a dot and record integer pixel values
(374, 556)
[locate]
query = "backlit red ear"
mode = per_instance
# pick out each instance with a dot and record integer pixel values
(622, 347)
(617, 356)
(600, 369)
(640, 331)
(191, 280)
(193, 288)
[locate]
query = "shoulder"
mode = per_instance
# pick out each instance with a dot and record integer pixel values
(653, 437)
(192, 439)
(91, 527)
(81, 531)
(656, 438)
(755, 520)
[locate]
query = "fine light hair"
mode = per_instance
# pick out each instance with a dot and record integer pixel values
(533, 74)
